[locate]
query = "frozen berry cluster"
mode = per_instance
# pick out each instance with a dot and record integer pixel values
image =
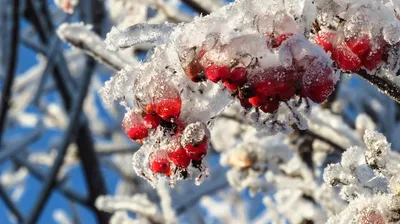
(350, 54)
(178, 144)
(253, 83)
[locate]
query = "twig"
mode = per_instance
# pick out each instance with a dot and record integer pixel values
(10, 204)
(197, 7)
(11, 66)
(383, 84)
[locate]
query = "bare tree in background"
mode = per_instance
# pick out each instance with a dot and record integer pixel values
(325, 152)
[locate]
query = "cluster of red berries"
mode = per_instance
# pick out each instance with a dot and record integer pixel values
(183, 141)
(352, 53)
(264, 88)
(175, 157)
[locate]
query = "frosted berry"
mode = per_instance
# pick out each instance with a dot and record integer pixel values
(270, 106)
(257, 101)
(159, 164)
(169, 109)
(372, 59)
(197, 151)
(215, 73)
(245, 103)
(231, 86)
(278, 40)
(320, 90)
(288, 93)
(151, 121)
(345, 58)
(134, 126)
(359, 45)
(137, 132)
(238, 76)
(179, 157)
(325, 40)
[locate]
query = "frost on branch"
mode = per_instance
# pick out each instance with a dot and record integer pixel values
(369, 180)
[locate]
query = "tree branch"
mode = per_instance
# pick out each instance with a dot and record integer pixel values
(10, 204)
(383, 84)
(11, 66)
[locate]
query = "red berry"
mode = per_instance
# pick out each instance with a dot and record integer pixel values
(231, 86)
(265, 87)
(257, 101)
(215, 73)
(359, 45)
(345, 58)
(245, 103)
(198, 151)
(277, 41)
(159, 164)
(270, 106)
(137, 132)
(169, 109)
(151, 121)
(374, 57)
(238, 76)
(179, 157)
(133, 126)
(325, 40)
(288, 93)
(372, 60)
(320, 90)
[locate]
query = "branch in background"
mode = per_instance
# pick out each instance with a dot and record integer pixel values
(68, 137)
(84, 141)
(386, 86)
(194, 4)
(9, 203)
(13, 148)
(41, 176)
(83, 38)
(11, 65)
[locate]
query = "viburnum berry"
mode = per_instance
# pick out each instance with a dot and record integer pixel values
(159, 163)
(257, 101)
(169, 109)
(237, 78)
(271, 105)
(359, 45)
(245, 103)
(372, 59)
(325, 40)
(197, 151)
(215, 73)
(278, 40)
(195, 140)
(345, 58)
(151, 121)
(318, 91)
(372, 218)
(137, 132)
(134, 126)
(179, 157)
